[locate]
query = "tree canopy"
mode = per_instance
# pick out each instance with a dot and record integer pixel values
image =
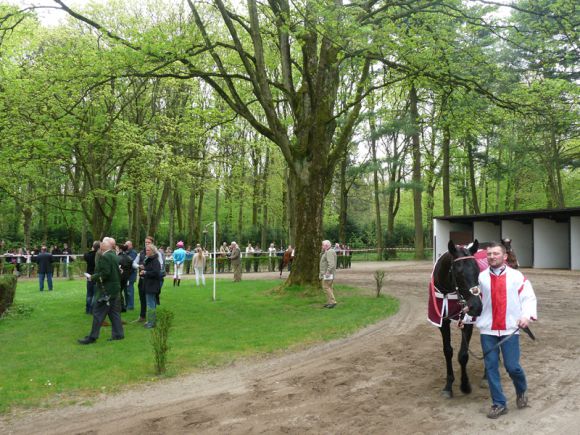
(285, 121)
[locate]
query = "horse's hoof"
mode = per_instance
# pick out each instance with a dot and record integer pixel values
(447, 394)
(466, 389)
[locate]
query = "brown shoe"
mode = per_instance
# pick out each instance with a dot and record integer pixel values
(522, 400)
(496, 411)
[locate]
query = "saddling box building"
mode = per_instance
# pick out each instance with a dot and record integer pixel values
(548, 239)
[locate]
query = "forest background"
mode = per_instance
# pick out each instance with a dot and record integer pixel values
(283, 121)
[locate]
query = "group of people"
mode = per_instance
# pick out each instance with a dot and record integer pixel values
(59, 261)
(111, 273)
(344, 256)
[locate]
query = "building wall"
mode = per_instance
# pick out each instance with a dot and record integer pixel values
(441, 231)
(575, 242)
(486, 231)
(551, 244)
(521, 235)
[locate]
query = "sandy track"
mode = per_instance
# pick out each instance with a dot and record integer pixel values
(385, 379)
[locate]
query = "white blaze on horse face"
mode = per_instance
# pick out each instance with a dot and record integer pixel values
(495, 256)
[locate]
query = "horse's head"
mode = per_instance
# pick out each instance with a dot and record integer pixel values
(464, 273)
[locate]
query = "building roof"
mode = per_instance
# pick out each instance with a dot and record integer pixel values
(556, 214)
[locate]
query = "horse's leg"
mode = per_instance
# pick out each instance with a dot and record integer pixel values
(463, 357)
(448, 352)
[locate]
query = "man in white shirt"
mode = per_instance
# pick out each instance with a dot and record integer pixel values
(509, 304)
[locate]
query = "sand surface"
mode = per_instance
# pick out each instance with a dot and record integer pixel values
(385, 379)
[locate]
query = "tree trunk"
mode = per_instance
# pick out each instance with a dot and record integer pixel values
(84, 243)
(343, 201)
(378, 224)
(191, 217)
(216, 215)
(240, 217)
(27, 225)
(471, 168)
(171, 205)
(417, 187)
(264, 200)
(199, 215)
(445, 170)
(309, 199)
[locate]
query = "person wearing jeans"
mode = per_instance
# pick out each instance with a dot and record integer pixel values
(44, 260)
(90, 259)
(132, 278)
(509, 304)
(151, 274)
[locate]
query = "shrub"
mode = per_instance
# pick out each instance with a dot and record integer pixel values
(7, 291)
(379, 278)
(159, 338)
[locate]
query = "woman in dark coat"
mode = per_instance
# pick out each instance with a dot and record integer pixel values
(151, 273)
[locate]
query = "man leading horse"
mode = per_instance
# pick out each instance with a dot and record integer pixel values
(509, 305)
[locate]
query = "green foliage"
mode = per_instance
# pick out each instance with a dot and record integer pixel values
(7, 291)
(160, 338)
(127, 138)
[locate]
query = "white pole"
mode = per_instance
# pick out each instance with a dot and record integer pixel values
(214, 256)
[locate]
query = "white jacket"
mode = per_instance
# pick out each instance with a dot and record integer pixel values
(506, 298)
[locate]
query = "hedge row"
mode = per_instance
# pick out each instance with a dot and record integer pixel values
(7, 291)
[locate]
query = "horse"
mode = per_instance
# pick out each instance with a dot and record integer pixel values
(453, 292)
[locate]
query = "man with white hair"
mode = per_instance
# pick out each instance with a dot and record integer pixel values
(107, 280)
(327, 271)
(236, 259)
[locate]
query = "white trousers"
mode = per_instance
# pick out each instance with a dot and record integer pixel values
(198, 273)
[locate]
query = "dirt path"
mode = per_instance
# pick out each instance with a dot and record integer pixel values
(385, 379)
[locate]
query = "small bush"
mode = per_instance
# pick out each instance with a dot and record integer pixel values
(159, 338)
(379, 278)
(7, 291)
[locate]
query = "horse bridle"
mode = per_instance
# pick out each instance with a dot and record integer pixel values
(475, 291)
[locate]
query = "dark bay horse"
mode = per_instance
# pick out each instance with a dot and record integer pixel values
(453, 291)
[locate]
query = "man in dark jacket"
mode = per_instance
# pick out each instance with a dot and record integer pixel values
(44, 260)
(107, 280)
(90, 258)
(126, 264)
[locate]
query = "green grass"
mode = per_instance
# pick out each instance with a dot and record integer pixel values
(42, 365)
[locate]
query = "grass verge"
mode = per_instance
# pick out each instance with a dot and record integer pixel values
(42, 365)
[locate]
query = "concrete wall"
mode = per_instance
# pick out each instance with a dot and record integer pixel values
(441, 230)
(521, 235)
(551, 244)
(575, 242)
(486, 231)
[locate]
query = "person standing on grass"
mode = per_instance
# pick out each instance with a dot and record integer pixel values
(327, 271)
(138, 266)
(199, 266)
(44, 261)
(178, 260)
(126, 265)
(132, 278)
(271, 257)
(107, 278)
(236, 261)
(90, 260)
(151, 274)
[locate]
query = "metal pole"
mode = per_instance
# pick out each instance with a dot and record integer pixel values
(214, 256)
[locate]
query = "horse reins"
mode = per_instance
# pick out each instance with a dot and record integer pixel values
(461, 299)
